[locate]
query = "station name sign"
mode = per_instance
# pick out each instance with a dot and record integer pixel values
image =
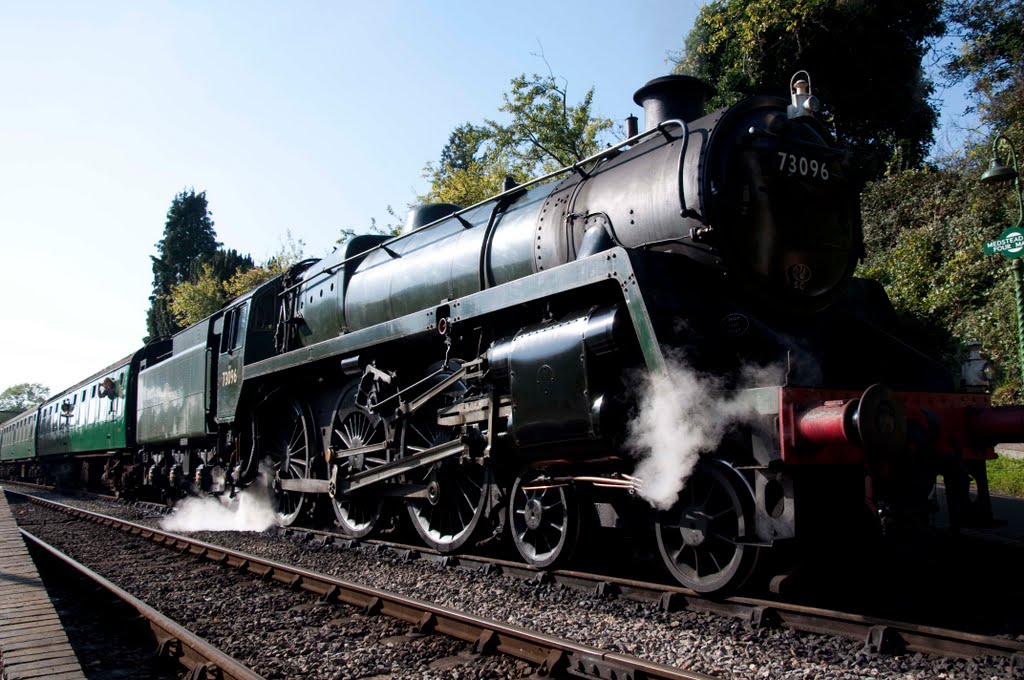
(1010, 243)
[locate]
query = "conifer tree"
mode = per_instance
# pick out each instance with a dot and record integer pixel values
(189, 240)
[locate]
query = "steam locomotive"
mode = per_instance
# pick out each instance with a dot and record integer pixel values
(477, 372)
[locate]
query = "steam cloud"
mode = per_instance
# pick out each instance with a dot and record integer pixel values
(250, 510)
(682, 415)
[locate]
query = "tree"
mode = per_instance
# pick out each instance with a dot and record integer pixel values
(188, 239)
(226, 261)
(194, 300)
(467, 185)
(464, 147)
(925, 229)
(991, 57)
(545, 133)
(470, 168)
(864, 59)
(23, 396)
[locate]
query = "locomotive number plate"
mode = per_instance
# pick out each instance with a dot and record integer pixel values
(794, 164)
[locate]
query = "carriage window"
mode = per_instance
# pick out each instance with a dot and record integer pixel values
(93, 391)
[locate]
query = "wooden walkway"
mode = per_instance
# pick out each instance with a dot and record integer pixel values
(32, 640)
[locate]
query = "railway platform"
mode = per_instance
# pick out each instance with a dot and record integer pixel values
(33, 643)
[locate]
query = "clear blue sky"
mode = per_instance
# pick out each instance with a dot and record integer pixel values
(303, 116)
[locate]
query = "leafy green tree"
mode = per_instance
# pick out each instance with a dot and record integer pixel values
(469, 170)
(925, 230)
(864, 59)
(194, 300)
(991, 57)
(465, 186)
(22, 396)
(544, 132)
(188, 239)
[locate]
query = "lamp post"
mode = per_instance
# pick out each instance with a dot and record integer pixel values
(1011, 241)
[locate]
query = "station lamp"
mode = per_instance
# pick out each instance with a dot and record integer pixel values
(1012, 239)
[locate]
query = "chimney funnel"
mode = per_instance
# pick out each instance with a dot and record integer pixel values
(670, 97)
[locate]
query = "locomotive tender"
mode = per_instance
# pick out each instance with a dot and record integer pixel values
(473, 371)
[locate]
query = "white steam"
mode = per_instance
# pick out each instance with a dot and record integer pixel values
(250, 510)
(682, 415)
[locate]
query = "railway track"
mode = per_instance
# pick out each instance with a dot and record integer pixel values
(880, 635)
(548, 654)
(877, 635)
(170, 640)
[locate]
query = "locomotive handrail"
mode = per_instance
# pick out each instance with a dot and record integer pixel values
(661, 128)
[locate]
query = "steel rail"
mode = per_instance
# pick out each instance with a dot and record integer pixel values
(202, 659)
(553, 656)
(161, 508)
(879, 635)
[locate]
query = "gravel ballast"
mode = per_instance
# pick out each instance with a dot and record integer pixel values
(691, 640)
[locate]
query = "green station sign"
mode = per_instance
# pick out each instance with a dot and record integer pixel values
(1009, 243)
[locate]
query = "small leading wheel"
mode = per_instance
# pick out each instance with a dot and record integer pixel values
(354, 427)
(289, 450)
(545, 520)
(698, 536)
(457, 491)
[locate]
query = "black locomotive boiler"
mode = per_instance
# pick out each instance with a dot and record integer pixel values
(474, 373)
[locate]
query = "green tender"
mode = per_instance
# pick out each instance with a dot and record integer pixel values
(173, 399)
